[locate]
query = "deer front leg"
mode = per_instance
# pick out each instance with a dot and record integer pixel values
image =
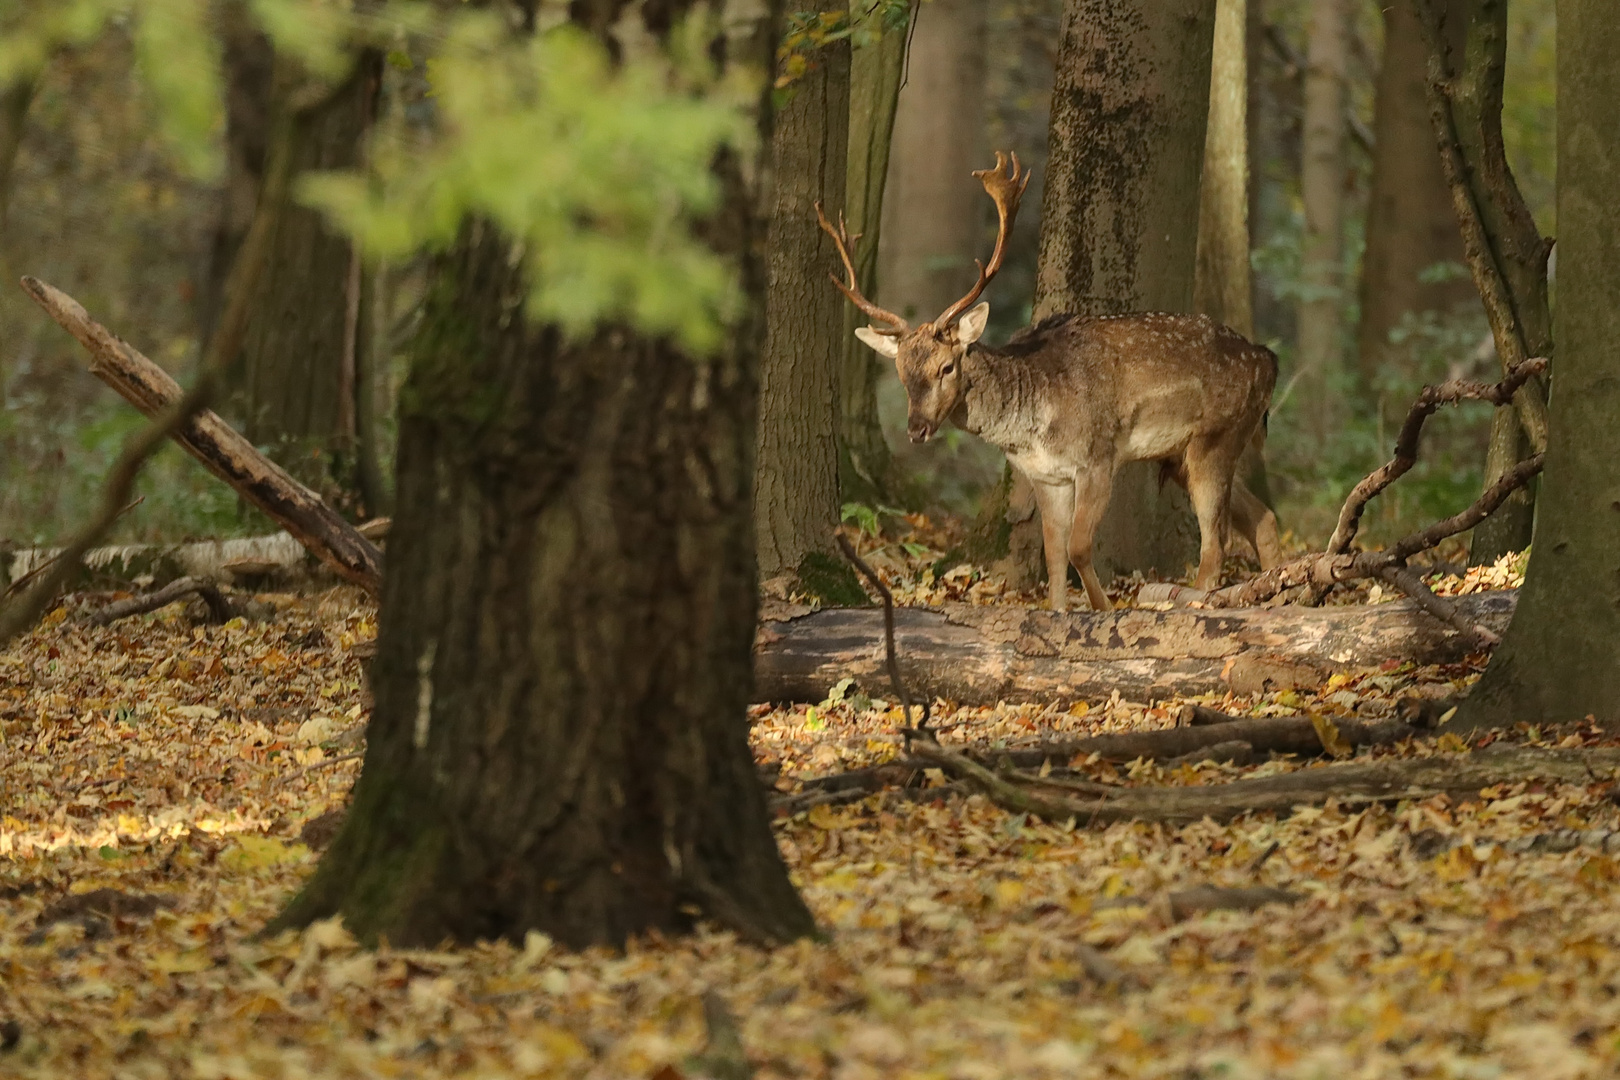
(1091, 492)
(1056, 502)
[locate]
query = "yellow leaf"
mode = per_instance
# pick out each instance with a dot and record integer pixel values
(192, 960)
(1079, 708)
(1328, 732)
(1009, 893)
(822, 817)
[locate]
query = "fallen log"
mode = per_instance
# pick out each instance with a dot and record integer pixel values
(220, 448)
(982, 655)
(1413, 778)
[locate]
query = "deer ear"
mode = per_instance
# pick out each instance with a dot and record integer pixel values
(885, 344)
(970, 327)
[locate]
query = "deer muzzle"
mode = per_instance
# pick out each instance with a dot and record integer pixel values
(920, 431)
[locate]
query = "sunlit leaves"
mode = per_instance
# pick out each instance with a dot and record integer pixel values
(599, 171)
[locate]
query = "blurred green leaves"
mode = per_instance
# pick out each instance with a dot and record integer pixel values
(598, 170)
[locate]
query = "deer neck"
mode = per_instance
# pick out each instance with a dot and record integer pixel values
(998, 404)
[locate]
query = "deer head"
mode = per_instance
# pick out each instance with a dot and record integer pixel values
(929, 357)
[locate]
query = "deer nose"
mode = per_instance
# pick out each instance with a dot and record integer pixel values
(919, 431)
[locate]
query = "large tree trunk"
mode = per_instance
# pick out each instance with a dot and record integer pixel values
(874, 90)
(560, 739)
(796, 474)
(1119, 218)
(295, 385)
(1560, 659)
(1410, 222)
(982, 655)
(1321, 309)
(14, 100)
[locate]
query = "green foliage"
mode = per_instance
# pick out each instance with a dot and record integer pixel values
(804, 32)
(599, 170)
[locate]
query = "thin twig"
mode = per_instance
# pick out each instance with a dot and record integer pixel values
(860, 564)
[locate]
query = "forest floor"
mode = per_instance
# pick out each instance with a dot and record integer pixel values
(166, 789)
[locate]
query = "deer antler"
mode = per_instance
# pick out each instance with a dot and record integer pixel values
(1006, 188)
(844, 241)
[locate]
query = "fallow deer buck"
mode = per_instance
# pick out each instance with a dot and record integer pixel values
(1070, 399)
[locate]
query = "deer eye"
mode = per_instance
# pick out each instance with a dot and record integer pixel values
(946, 370)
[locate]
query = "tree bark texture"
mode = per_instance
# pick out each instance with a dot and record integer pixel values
(1119, 216)
(218, 446)
(796, 472)
(982, 655)
(295, 383)
(559, 741)
(1321, 307)
(874, 90)
(933, 210)
(14, 101)
(1223, 284)
(1410, 222)
(1222, 281)
(1560, 659)
(1274, 161)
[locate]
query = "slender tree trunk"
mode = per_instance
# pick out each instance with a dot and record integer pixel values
(934, 211)
(1560, 659)
(1516, 249)
(1321, 309)
(1223, 285)
(796, 475)
(1222, 282)
(560, 739)
(1120, 212)
(1274, 164)
(14, 100)
(1410, 222)
(875, 74)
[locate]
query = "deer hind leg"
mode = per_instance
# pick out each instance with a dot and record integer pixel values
(1056, 502)
(1091, 491)
(1256, 523)
(1209, 485)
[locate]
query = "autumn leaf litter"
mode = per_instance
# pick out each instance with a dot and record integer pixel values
(158, 776)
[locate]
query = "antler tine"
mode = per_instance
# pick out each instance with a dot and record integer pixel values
(1006, 189)
(844, 241)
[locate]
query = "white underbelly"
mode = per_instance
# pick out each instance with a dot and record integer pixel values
(1043, 466)
(1149, 442)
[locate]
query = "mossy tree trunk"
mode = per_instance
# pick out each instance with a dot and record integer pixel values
(1560, 658)
(875, 73)
(560, 739)
(796, 475)
(1119, 216)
